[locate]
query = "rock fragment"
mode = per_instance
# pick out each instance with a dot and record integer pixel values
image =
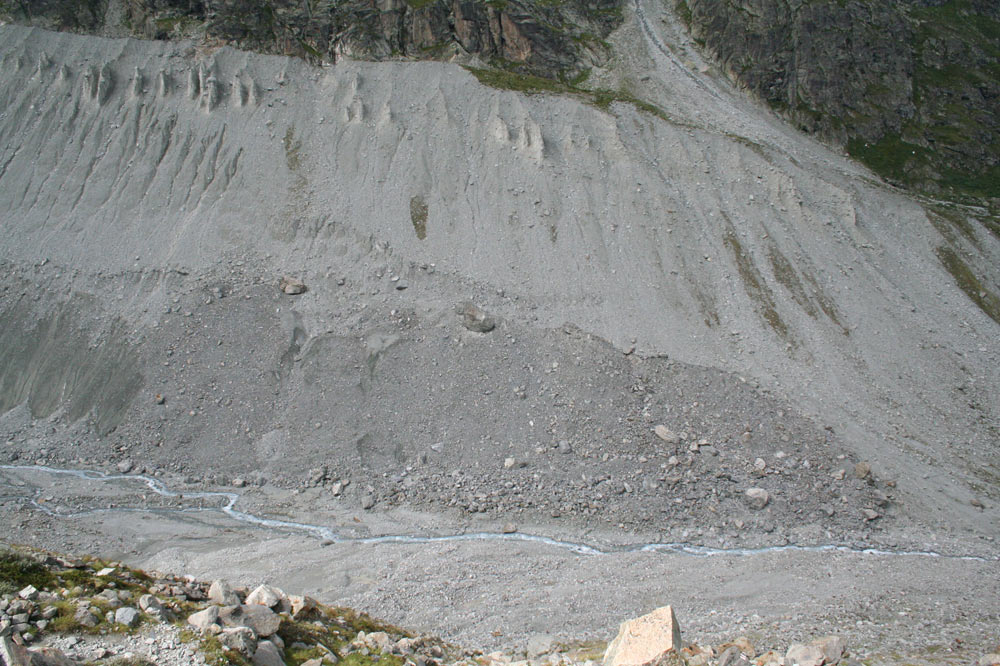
(733, 656)
(267, 654)
(261, 619)
(301, 606)
(538, 645)
(804, 655)
(645, 640)
(292, 286)
(756, 498)
(220, 592)
(266, 595)
(833, 648)
(667, 435)
(241, 639)
(152, 607)
(204, 619)
(85, 617)
(127, 615)
(12, 654)
(475, 318)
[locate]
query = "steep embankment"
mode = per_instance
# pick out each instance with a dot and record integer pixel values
(780, 306)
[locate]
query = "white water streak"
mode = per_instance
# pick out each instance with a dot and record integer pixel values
(327, 534)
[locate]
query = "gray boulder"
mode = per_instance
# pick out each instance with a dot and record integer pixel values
(267, 654)
(84, 616)
(127, 615)
(475, 318)
(241, 639)
(204, 619)
(268, 596)
(222, 593)
(756, 498)
(804, 655)
(152, 607)
(12, 654)
(261, 619)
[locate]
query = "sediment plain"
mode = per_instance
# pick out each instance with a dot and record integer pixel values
(795, 324)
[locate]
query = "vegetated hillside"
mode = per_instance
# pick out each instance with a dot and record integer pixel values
(910, 87)
(557, 39)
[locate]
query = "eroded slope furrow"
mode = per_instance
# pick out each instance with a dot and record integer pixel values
(159, 180)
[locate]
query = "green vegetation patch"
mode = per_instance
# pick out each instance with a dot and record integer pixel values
(789, 279)
(888, 157)
(18, 570)
(293, 148)
(418, 216)
(530, 84)
(753, 284)
(523, 83)
(216, 654)
(958, 17)
(603, 99)
(948, 220)
(326, 631)
(580, 78)
(955, 130)
(983, 183)
(684, 12)
(967, 281)
(358, 659)
(904, 163)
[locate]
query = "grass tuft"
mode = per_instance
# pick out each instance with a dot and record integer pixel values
(18, 570)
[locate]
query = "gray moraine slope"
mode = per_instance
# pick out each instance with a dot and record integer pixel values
(795, 325)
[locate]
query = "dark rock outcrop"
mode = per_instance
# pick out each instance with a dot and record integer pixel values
(911, 87)
(553, 39)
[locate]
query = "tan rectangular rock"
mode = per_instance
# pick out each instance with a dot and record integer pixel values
(645, 640)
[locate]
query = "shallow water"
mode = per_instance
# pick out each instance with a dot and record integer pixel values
(327, 534)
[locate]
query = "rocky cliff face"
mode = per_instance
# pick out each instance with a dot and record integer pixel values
(911, 87)
(555, 39)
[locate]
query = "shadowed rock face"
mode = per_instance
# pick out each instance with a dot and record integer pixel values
(550, 39)
(910, 87)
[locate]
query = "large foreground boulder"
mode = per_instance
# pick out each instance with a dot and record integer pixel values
(271, 597)
(261, 619)
(646, 640)
(223, 594)
(12, 654)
